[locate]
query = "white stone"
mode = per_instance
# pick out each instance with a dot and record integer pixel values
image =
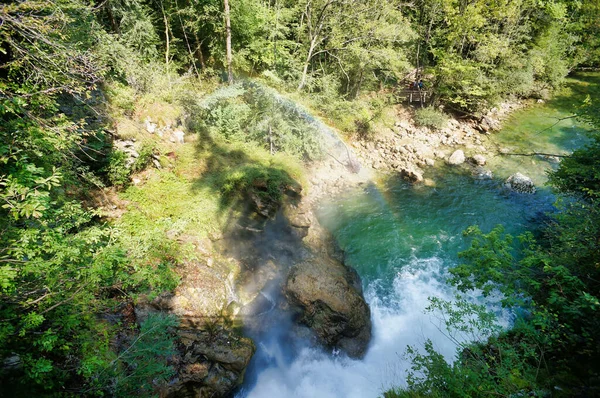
(520, 183)
(458, 157)
(479, 160)
(177, 136)
(150, 127)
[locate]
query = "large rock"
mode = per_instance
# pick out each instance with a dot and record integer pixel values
(129, 148)
(458, 157)
(479, 160)
(520, 183)
(211, 357)
(211, 363)
(328, 298)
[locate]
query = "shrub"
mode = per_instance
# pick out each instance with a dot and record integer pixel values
(431, 117)
(116, 170)
(364, 128)
(252, 114)
(144, 159)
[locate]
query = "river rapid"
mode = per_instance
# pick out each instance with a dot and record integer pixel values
(402, 239)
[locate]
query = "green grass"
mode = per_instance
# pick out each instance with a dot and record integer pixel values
(169, 202)
(203, 190)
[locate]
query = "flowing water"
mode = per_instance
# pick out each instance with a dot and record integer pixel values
(401, 239)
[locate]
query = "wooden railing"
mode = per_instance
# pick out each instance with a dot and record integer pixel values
(414, 95)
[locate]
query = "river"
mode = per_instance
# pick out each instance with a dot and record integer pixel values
(402, 238)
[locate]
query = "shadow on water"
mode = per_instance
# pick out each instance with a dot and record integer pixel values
(579, 86)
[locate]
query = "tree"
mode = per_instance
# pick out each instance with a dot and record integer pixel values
(371, 41)
(228, 42)
(59, 267)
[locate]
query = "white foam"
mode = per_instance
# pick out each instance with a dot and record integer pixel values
(398, 321)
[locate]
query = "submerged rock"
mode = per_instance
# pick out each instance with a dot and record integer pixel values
(487, 123)
(412, 174)
(520, 183)
(483, 174)
(328, 298)
(428, 182)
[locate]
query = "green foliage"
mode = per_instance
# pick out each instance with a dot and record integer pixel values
(579, 174)
(144, 159)
(267, 184)
(253, 114)
(142, 365)
(46, 42)
(60, 267)
(117, 170)
(370, 43)
(487, 363)
(476, 53)
(430, 117)
(242, 173)
(137, 366)
(363, 125)
(551, 284)
(463, 85)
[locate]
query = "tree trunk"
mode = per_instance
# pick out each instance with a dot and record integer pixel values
(187, 42)
(314, 36)
(167, 48)
(111, 17)
(228, 43)
(307, 63)
(199, 54)
(271, 139)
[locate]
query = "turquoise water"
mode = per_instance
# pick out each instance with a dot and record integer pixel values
(402, 239)
(383, 228)
(547, 128)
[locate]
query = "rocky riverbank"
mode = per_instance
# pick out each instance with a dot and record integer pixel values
(408, 149)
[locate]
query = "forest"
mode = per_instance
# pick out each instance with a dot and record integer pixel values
(74, 72)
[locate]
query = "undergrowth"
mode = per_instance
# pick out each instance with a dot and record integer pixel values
(430, 117)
